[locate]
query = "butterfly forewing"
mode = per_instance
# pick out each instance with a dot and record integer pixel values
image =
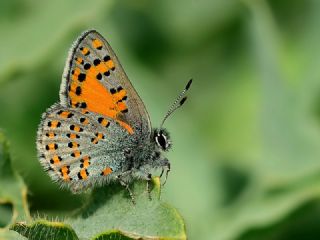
(95, 81)
(79, 149)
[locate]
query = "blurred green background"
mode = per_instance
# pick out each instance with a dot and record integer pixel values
(246, 155)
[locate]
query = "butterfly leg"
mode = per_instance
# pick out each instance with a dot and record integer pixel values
(162, 171)
(167, 172)
(125, 184)
(149, 179)
(165, 168)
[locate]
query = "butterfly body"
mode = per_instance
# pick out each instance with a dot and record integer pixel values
(99, 131)
(80, 152)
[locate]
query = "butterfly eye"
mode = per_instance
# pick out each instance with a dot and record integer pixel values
(162, 141)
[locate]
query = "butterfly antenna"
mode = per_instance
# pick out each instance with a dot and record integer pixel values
(180, 100)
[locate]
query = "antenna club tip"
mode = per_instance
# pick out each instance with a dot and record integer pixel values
(189, 84)
(183, 101)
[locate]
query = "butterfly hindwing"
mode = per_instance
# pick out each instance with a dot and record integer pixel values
(79, 149)
(95, 81)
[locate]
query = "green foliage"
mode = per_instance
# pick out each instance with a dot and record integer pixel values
(10, 235)
(111, 208)
(245, 161)
(13, 191)
(45, 230)
(111, 214)
(113, 235)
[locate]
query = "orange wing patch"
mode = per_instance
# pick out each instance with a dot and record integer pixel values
(83, 174)
(79, 60)
(55, 160)
(72, 135)
(65, 114)
(98, 137)
(87, 92)
(85, 51)
(96, 43)
(51, 146)
(51, 134)
(65, 170)
(54, 124)
(85, 162)
(106, 171)
(110, 64)
(76, 154)
(125, 126)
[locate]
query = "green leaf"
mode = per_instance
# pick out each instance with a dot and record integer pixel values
(111, 214)
(112, 235)
(10, 235)
(13, 192)
(45, 230)
(110, 208)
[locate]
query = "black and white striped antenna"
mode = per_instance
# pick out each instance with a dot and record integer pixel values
(180, 100)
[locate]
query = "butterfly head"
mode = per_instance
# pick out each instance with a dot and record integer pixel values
(162, 139)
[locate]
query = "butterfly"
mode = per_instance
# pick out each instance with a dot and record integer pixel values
(100, 130)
